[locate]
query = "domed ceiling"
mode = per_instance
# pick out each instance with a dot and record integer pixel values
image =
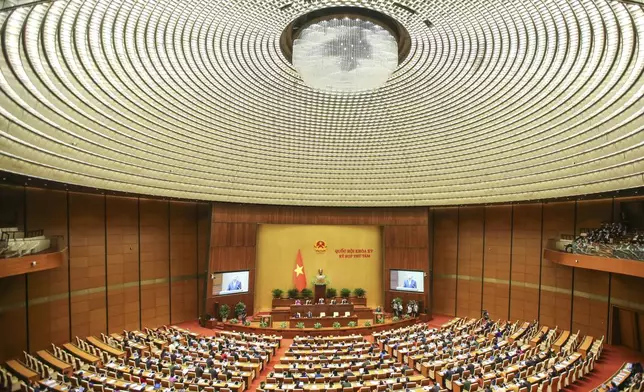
(498, 100)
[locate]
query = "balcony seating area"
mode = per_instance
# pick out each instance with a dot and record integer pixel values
(16, 243)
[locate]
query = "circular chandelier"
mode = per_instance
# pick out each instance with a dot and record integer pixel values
(345, 49)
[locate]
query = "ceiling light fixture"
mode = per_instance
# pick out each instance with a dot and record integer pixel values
(345, 49)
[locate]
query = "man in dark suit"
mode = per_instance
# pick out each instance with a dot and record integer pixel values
(199, 371)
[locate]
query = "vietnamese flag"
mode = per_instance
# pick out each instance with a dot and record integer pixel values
(299, 277)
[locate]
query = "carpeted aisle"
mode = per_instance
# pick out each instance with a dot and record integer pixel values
(286, 343)
(611, 360)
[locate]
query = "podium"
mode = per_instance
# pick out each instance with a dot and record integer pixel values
(320, 292)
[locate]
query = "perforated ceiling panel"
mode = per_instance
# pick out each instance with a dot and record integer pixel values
(498, 100)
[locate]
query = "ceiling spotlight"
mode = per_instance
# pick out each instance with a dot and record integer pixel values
(345, 49)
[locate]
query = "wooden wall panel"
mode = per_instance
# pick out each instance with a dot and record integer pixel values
(155, 262)
(123, 263)
(87, 263)
(13, 312)
(556, 280)
(183, 261)
(12, 206)
(203, 247)
(234, 229)
(590, 302)
(445, 229)
(406, 247)
(13, 317)
(248, 213)
(48, 290)
(591, 291)
(497, 257)
(470, 261)
(97, 288)
(526, 262)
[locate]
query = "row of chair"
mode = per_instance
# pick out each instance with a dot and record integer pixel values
(36, 365)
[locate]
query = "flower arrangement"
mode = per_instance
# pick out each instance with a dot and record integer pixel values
(263, 324)
(317, 325)
(247, 323)
(367, 323)
(336, 325)
(299, 325)
(283, 324)
(352, 324)
(395, 318)
(233, 321)
(406, 317)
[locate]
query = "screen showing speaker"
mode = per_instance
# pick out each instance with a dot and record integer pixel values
(230, 282)
(406, 280)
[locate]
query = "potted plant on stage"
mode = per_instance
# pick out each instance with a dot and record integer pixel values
(358, 292)
(277, 293)
(307, 293)
(345, 293)
(204, 319)
(283, 324)
(336, 325)
(331, 293)
(293, 293)
(240, 311)
(299, 325)
(317, 325)
(224, 311)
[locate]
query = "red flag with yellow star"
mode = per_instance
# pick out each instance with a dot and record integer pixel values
(299, 277)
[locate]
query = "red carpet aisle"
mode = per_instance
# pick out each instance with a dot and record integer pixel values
(611, 360)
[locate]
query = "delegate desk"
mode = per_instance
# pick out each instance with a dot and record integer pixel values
(622, 374)
(585, 346)
(537, 339)
(22, 371)
(326, 322)
(563, 338)
(62, 367)
(85, 356)
(371, 384)
(326, 308)
(53, 385)
(115, 352)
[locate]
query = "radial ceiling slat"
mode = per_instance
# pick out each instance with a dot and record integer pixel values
(498, 101)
